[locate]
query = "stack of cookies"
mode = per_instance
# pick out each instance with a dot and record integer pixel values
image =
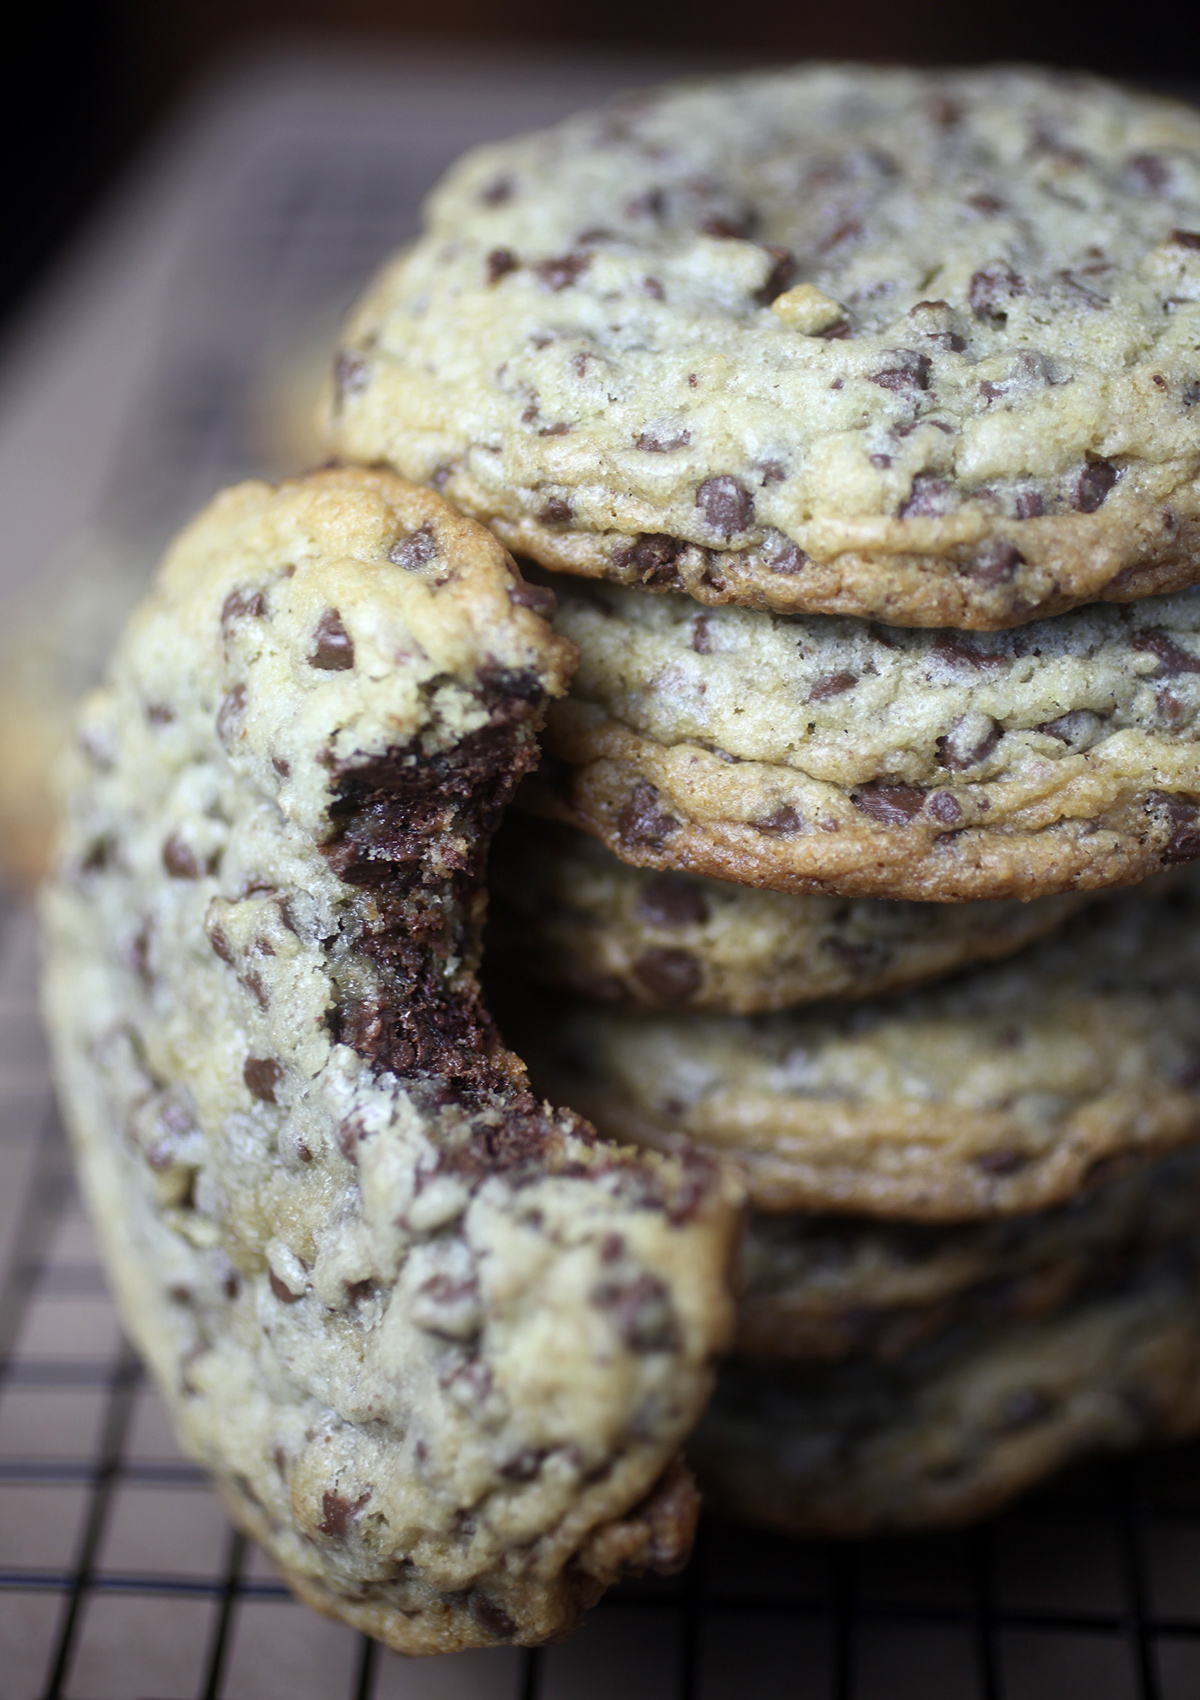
(851, 420)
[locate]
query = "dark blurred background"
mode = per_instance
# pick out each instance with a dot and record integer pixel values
(87, 81)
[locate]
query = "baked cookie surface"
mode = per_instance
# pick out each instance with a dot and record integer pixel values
(956, 1430)
(437, 1342)
(992, 1094)
(915, 346)
(567, 912)
(826, 1288)
(814, 754)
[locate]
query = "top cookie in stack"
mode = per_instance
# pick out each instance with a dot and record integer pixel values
(920, 348)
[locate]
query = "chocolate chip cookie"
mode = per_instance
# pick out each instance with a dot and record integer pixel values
(917, 346)
(567, 912)
(955, 1430)
(812, 754)
(438, 1343)
(993, 1094)
(827, 1288)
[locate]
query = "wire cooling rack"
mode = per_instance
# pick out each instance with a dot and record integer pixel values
(119, 1577)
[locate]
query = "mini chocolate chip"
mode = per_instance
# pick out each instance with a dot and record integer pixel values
(944, 808)
(653, 288)
(159, 714)
(641, 822)
(784, 823)
(230, 713)
(562, 429)
(1190, 394)
(929, 498)
(338, 1512)
(832, 685)
(262, 1075)
(333, 647)
(1020, 1410)
(726, 504)
(500, 262)
(1001, 1162)
(497, 192)
(995, 562)
(731, 229)
(181, 861)
(415, 551)
(783, 556)
(242, 604)
(642, 1312)
(538, 598)
(281, 766)
(1075, 727)
(908, 371)
(524, 1466)
(491, 1618)
(662, 443)
(1174, 658)
(700, 635)
(654, 556)
(349, 373)
(556, 510)
(671, 976)
(1093, 485)
(282, 1291)
(1029, 504)
(990, 291)
(780, 275)
(954, 649)
(1148, 171)
(1185, 238)
(564, 270)
(672, 900)
(968, 742)
(1182, 815)
(889, 803)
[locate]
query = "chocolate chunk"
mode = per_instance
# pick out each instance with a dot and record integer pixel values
(242, 604)
(995, 562)
(662, 442)
(1174, 658)
(929, 498)
(230, 713)
(968, 742)
(906, 370)
(726, 504)
(784, 823)
(338, 1512)
(564, 270)
(283, 1293)
(780, 276)
(944, 808)
(991, 291)
(491, 1618)
(671, 976)
(654, 556)
(262, 1075)
(556, 510)
(333, 648)
(832, 685)
(500, 262)
(782, 555)
(641, 822)
(414, 552)
(181, 861)
(538, 598)
(672, 900)
(889, 803)
(1185, 238)
(642, 1311)
(1029, 504)
(1092, 486)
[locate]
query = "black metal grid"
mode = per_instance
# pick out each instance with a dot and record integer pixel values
(118, 1575)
